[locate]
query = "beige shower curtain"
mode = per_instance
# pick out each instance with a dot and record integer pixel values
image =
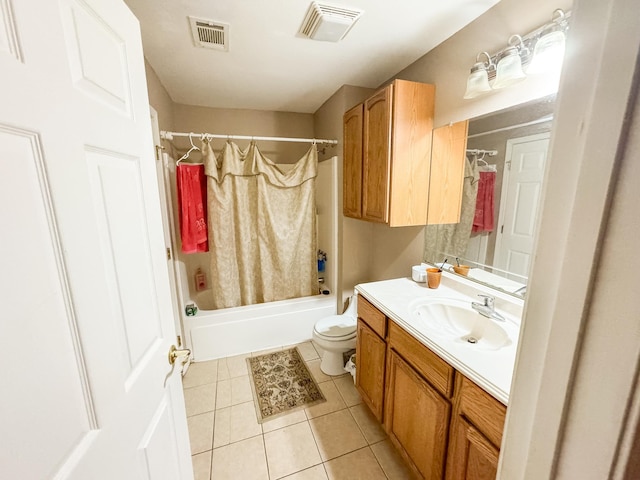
(452, 239)
(262, 236)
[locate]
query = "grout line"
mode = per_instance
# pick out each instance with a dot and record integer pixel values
(213, 432)
(211, 464)
(325, 469)
(384, 472)
(266, 458)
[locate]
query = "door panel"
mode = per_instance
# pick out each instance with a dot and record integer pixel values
(97, 56)
(120, 216)
(38, 335)
(84, 275)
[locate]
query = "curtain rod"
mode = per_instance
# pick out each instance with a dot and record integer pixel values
(491, 153)
(512, 127)
(169, 136)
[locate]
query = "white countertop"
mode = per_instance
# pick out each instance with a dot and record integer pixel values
(491, 370)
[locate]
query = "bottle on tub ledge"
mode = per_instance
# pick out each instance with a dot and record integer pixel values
(200, 279)
(322, 260)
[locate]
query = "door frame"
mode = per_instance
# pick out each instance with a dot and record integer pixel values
(168, 223)
(575, 389)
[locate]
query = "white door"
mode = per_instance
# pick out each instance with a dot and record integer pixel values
(525, 159)
(86, 317)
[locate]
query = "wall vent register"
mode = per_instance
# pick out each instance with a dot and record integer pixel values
(210, 34)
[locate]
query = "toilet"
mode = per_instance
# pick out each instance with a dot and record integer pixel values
(336, 335)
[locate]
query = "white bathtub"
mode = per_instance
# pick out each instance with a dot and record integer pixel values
(233, 331)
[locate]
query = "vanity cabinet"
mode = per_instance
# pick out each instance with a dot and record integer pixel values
(476, 434)
(371, 349)
(441, 423)
(418, 390)
(416, 418)
(387, 155)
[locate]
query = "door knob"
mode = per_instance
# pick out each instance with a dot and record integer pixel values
(174, 353)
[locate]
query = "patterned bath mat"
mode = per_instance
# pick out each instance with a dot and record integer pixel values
(281, 382)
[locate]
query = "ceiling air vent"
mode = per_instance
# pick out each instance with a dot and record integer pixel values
(328, 23)
(210, 34)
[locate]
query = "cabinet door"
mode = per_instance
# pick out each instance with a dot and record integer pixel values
(370, 365)
(448, 157)
(352, 162)
(471, 455)
(416, 418)
(413, 105)
(376, 156)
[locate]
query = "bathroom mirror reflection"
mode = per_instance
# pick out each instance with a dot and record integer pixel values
(506, 157)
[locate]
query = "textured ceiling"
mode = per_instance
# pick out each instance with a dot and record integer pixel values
(269, 66)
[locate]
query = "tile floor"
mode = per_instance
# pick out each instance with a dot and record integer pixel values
(335, 440)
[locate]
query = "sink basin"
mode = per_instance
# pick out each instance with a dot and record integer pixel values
(455, 320)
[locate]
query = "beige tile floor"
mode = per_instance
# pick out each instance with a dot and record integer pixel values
(335, 440)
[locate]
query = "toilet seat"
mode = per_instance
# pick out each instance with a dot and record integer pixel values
(336, 328)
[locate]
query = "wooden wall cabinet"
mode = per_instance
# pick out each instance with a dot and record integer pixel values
(441, 423)
(448, 159)
(352, 162)
(389, 173)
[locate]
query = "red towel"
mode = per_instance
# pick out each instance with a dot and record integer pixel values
(192, 207)
(483, 218)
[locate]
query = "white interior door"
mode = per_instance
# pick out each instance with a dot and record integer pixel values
(525, 159)
(87, 319)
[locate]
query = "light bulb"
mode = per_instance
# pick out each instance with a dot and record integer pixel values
(548, 53)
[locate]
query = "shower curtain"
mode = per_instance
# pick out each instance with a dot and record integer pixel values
(262, 235)
(452, 239)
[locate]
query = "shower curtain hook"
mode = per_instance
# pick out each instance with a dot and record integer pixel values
(193, 146)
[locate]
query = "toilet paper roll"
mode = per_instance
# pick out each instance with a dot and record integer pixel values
(419, 273)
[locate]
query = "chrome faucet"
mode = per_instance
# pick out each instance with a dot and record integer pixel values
(486, 308)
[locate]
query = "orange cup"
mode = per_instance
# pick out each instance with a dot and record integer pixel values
(433, 277)
(461, 269)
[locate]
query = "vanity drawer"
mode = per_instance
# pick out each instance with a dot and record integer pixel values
(482, 410)
(435, 370)
(372, 317)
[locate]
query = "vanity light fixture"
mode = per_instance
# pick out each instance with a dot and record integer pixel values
(540, 51)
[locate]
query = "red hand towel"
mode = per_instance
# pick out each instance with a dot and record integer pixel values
(192, 207)
(483, 218)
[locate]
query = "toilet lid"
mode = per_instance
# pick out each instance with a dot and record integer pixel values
(336, 326)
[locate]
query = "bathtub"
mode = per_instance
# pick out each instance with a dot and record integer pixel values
(220, 333)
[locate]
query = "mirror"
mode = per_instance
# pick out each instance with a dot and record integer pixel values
(506, 157)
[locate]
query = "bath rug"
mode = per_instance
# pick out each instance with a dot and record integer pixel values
(281, 383)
